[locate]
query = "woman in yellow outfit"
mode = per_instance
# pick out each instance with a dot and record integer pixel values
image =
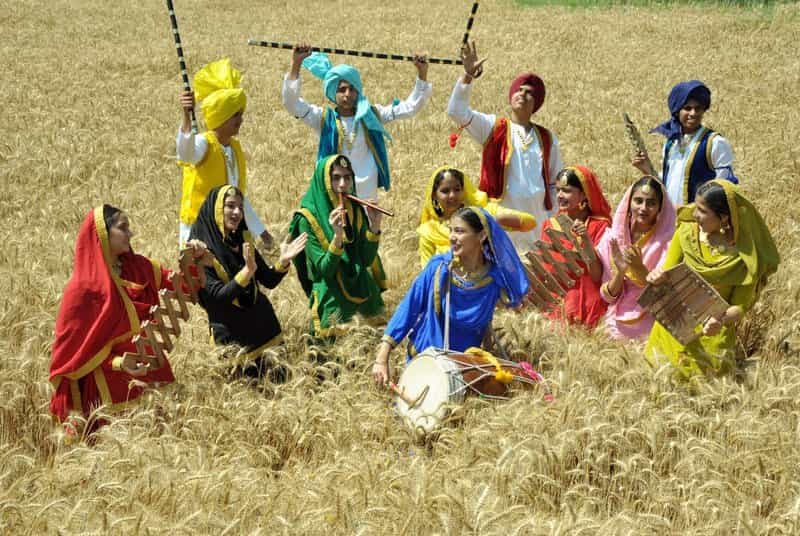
(723, 238)
(449, 190)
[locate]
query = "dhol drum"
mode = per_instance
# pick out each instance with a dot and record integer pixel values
(437, 380)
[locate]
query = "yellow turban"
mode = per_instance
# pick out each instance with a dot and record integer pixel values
(216, 85)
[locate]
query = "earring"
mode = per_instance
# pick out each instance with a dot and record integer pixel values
(584, 205)
(437, 208)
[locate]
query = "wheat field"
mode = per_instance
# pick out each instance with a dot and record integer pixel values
(90, 102)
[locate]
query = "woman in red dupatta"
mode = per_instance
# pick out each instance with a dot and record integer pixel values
(105, 302)
(581, 198)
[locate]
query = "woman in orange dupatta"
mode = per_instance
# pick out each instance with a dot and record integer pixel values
(107, 298)
(581, 198)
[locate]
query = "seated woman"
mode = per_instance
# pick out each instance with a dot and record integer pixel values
(581, 198)
(462, 285)
(636, 244)
(338, 270)
(449, 190)
(105, 302)
(722, 237)
(238, 313)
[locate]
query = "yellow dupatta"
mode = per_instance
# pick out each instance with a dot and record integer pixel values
(434, 229)
(757, 256)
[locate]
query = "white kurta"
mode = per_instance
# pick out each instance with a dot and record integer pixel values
(524, 181)
(355, 146)
(191, 149)
(678, 158)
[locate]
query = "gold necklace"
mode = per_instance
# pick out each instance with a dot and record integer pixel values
(525, 140)
(469, 275)
(349, 137)
(716, 248)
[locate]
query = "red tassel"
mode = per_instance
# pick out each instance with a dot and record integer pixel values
(455, 135)
(454, 138)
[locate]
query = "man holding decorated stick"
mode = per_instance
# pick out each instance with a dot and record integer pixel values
(354, 127)
(520, 158)
(214, 158)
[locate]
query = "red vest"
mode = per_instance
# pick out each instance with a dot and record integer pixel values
(497, 154)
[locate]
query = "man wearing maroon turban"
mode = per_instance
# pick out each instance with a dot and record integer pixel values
(520, 158)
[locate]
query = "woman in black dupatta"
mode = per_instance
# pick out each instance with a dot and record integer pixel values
(238, 313)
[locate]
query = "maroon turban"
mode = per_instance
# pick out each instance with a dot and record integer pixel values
(533, 80)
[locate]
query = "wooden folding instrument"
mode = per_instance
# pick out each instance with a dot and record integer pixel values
(683, 302)
(156, 337)
(547, 288)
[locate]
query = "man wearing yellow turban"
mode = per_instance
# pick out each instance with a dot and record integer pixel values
(214, 158)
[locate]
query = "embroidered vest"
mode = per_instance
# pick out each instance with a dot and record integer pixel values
(210, 172)
(330, 143)
(697, 170)
(497, 153)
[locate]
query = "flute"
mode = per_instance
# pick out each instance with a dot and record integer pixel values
(349, 52)
(368, 204)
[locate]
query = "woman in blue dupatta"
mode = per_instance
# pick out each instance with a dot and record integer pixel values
(481, 268)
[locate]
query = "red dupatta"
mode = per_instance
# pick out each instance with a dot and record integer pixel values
(583, 303)
(96, 312)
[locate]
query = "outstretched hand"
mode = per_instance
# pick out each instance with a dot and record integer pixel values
(620, 261)
(473, 67)
(292, 248)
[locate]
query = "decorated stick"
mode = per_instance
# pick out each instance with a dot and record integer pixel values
(349, 52)
(638, 143)
(469, 22)
(402, 395)
(179, 48)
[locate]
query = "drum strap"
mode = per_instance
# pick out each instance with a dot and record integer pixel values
(447, 316)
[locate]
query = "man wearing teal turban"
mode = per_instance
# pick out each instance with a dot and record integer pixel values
(354, 127)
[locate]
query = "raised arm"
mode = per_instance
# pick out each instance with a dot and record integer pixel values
(190, 148)
(419, 97)
(310, 114)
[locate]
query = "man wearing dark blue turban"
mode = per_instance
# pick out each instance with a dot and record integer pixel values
(693, 154)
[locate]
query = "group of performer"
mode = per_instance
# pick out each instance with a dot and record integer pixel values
(470, 236)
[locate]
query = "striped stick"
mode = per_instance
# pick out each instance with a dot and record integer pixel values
(469, 22)
(179, 48)
(348, 52)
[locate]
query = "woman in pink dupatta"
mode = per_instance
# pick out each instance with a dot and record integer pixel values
(637, 242)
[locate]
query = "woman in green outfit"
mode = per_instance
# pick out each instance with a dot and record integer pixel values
(722, 237)
(339, 270)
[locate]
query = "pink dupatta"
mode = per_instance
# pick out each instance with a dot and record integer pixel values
(625, 319)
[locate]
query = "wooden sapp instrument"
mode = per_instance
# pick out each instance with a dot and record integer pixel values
(638, 143)
(155, 339)
(548, 288)
(683, 303)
